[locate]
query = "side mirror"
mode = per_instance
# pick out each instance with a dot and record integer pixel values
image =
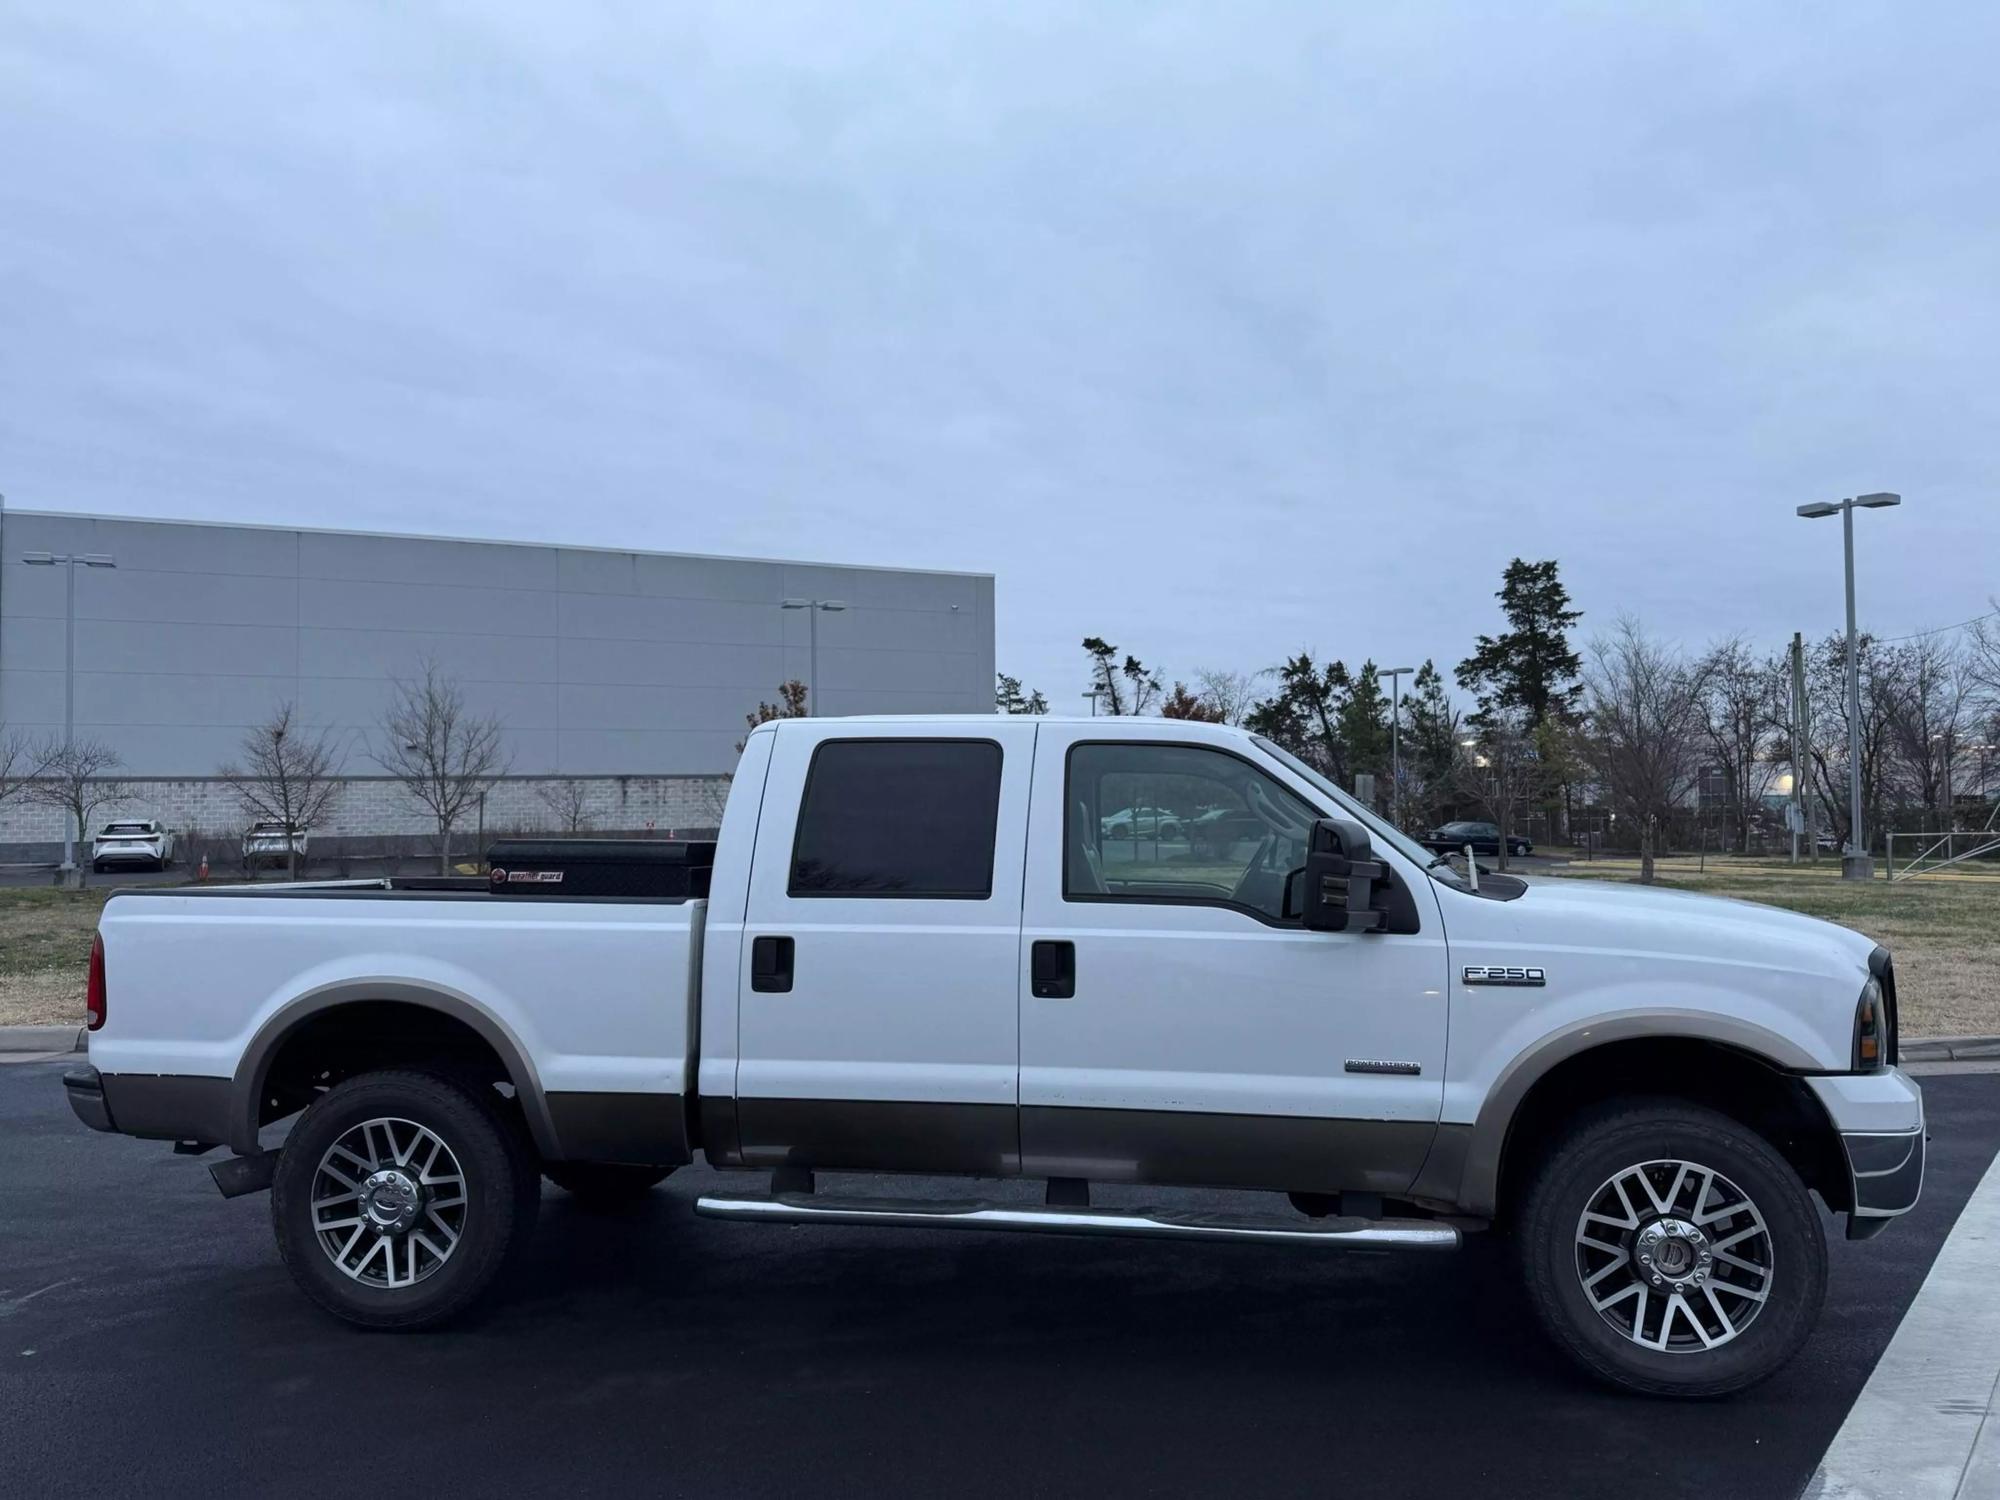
(1341, 879)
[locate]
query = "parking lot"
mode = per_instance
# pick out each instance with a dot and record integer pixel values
(150, 1342)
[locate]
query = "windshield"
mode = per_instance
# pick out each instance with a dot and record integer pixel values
(1404, 845)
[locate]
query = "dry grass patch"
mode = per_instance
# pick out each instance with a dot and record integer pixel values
(45, 954)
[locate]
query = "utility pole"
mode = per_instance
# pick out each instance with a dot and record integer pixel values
(69, 562)
(1801, 755)
(1855, 862)
(813, 608)
(1395, 676)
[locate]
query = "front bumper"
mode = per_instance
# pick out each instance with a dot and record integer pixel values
(1880, 1117)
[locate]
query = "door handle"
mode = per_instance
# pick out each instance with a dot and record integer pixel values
(771, 965)
(1052, 970)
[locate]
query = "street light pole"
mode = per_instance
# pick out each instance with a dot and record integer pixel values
(813, 607)
(70, 562)
(1855, 863)
(1395, 676)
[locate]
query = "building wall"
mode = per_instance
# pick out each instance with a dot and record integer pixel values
(605, 665)
(374, 807)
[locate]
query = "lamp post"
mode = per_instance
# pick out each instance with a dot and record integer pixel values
(813, 607)
(1855, 863)
(70, 562)
(1395, 676)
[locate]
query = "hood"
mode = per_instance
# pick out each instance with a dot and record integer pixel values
(1593, 913)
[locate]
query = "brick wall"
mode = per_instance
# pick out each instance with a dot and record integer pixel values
(374, 807)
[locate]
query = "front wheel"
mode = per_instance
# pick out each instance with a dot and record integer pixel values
(1672, 1251)
(400, 1198)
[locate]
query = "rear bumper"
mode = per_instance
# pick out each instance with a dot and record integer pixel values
(85, 1088)
(155, 1107)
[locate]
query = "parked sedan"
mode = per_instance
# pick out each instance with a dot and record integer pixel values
(1484, 838)
(133, 842)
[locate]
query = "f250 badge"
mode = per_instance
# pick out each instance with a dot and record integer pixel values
(1505, 974)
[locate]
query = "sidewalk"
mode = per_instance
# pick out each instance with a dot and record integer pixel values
(1927, 1424)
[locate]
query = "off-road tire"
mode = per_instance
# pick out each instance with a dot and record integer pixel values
(502, 1196)
(1612, 1138)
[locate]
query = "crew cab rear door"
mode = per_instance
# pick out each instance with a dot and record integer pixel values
(878, 1021)
(1176, 1025)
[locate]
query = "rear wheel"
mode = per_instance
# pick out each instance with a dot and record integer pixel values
(1672, 1251)
(400, 1198)
(599, 1184)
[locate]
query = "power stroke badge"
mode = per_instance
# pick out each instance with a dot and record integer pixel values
(1505, 974)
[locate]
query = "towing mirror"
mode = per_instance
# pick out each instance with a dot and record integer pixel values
(1341, 879)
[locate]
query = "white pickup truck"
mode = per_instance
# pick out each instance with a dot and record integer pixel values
(928, 946)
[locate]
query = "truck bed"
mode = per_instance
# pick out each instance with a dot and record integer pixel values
(593, 997)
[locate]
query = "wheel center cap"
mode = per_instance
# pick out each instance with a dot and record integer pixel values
(391, 1199)
(1672, 1253)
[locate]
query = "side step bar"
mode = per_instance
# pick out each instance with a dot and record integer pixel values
(905, 1213)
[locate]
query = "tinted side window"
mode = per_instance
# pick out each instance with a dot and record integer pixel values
(898, 818)
(1180, 823)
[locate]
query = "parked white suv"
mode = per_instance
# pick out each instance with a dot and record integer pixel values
(908, 953)
(132, 842)
(272, 843)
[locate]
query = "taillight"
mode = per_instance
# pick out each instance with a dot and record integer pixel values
(93, 996)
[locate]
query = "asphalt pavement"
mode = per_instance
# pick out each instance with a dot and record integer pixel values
(151, 1343)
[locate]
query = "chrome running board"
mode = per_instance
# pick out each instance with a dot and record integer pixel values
(907, 1213)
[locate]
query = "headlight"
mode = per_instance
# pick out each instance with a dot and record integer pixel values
(1869, 1029)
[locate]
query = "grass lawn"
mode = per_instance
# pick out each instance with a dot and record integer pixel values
(1943, 929)
(45, 954)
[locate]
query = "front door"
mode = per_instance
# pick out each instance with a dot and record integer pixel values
(1194, 1032)
(878, 1025)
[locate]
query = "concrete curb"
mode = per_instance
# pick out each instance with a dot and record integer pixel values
(41, 1038)
(1950, 1049)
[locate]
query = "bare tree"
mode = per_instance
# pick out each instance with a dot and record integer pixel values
(22, 760)
(1229, 694)
(1499, 770)
(76, 778)
(289, 775)
(1644, 702)
(445, 755)
(569, 800)
(1743, 702)
(1932, 714)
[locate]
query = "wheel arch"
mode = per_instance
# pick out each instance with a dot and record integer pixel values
(321, 1006)
(1738, 1069)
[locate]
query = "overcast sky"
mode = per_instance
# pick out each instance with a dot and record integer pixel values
(1218, 330)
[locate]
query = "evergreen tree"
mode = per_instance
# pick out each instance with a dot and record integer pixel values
(1530, 666)
(1009, 699)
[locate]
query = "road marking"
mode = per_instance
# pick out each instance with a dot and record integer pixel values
(1925, 1427)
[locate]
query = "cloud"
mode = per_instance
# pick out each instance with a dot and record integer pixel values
(1217, 330)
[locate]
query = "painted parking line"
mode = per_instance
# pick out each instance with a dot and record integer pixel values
(1924, 1427)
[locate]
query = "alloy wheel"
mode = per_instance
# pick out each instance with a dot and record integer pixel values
(1674, 1256)
(389, 1203)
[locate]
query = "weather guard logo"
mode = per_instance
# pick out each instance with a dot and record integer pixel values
(527, 877)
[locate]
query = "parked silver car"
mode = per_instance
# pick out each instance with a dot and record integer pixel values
(131, 842)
